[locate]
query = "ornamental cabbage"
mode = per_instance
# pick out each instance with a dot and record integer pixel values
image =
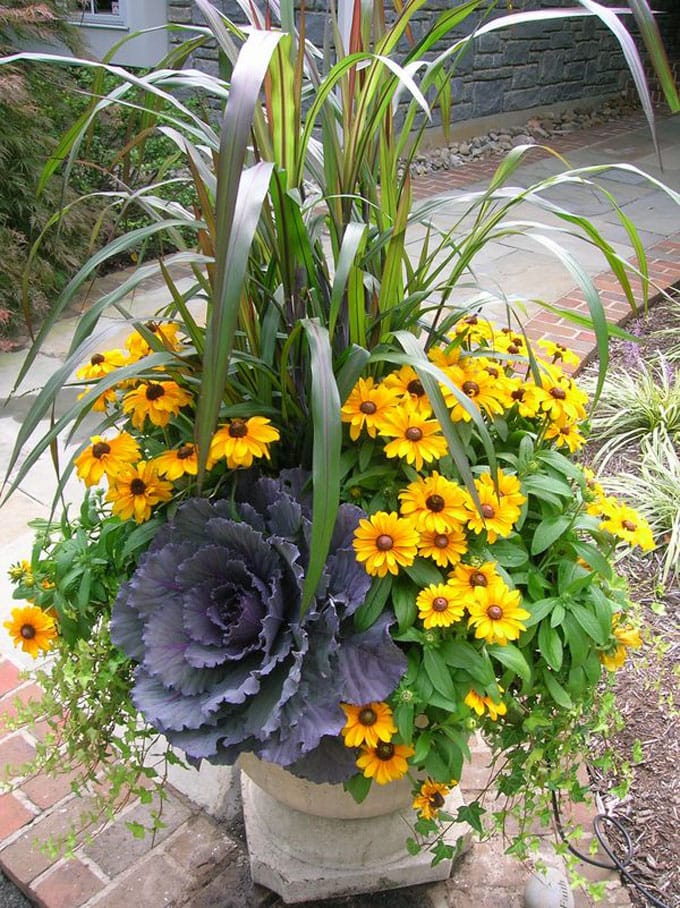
(226, 664)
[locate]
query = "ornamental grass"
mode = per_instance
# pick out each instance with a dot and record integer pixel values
(339, 522)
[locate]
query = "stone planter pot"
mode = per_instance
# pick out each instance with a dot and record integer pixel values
(309, 841)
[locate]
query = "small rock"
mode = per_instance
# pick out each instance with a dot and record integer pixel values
(522, 139)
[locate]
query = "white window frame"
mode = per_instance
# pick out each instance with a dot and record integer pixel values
(103, 20)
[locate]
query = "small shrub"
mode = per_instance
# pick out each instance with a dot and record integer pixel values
(635, 404)
(654, 488)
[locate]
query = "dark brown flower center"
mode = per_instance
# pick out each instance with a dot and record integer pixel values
(513, 348)
(100, 449)
(384, 542)
(478, 579)
(238, 429)
(629, 525)
(153, 327)
(471, 388)
(436, 800)
(413, 433)
(518, 394)
(435, 503)
(495, 612)
(517, 341)
(368, 716)
(97, 359)
(558, 393)
(441, 541)
(492, 371)
(384, 750)
(27, 631)
(487, 511)
(154, 391)
(184, 452)
(367, 407)
(440, 604)
(138, 486)
(471, 320)
(415, 387)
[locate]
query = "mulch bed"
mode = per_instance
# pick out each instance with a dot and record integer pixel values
(647, 685)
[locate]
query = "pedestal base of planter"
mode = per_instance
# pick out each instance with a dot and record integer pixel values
(303, 856)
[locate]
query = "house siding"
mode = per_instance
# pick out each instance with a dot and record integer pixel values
(530, 65)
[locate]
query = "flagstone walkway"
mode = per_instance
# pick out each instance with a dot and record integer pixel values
(198, 861)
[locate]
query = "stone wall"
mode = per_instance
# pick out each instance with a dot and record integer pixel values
(515, 69)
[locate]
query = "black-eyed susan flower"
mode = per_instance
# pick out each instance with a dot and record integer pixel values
(101, 364)
(241, 441)
(559, 353)
(445, 549)
(508, 341)
(626, 524)
(529, 398)
(566, 434)
(156, 401)
(136, 489)
(497, 516)
(625, 638)
(385, 762)
(465, 578)
(368, 724)
(20, 572)
(180, 461)
(103, 401)
(481, 704)
(564, 399)
(166, 332)
(385, 542)
(409, 388)
(474, 329)
(434, 503)
(32, 629)
(496, 613)
(439, 606)
(431, 798)
(106, 456)
(417, 439)
(366, 405)
(479, 387)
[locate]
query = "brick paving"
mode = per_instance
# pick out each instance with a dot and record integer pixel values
(197, 862)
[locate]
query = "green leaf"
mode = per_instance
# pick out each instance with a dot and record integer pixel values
(422, 747)
(539, 484)
(589, 623)
(557, 616)
(372, 607)
(461, 654)
(326, 455)
(549, 531)
(438, 672)
(556, 691)
(358, 786)
(577, 640)
(424, 573)
(592, 556)
(509, 553)
(412, 846)
(511, 658)
(550, 645)
(403, 718)
(404, 604)
(540, 609)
